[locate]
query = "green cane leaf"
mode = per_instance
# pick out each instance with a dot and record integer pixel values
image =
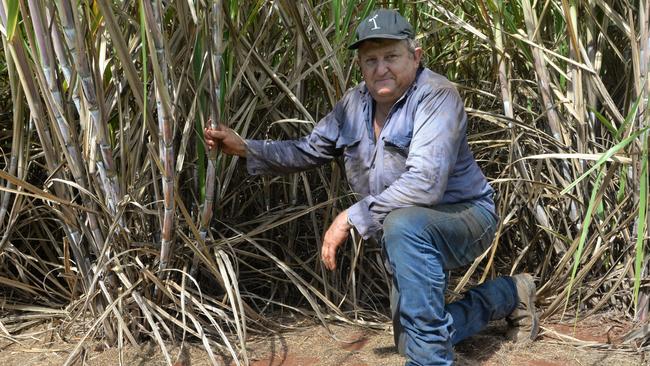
(641, 222)
(12, 18)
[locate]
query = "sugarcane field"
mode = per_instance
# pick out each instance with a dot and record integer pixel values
(298, 183)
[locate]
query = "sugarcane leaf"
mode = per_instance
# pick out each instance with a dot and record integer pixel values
(641, 222)
(13, 12)
(604, 157)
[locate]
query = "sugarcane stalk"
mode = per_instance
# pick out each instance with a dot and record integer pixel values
(17, 141)
(18, 54)
(107, 168)
(77, 160)
(544, 86)
(506, 94)
(55, 100)
(71, 222)
(215, 50)
(165, 123)
(541, 73)
(62, 57)
(574, 81)
(575, 93)
(504, 81)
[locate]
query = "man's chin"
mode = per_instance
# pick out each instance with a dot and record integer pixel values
(384, 93)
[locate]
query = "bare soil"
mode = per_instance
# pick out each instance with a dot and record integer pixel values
(595, 341)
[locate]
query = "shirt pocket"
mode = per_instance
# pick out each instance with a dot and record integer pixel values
(353, 157)
(396, 151)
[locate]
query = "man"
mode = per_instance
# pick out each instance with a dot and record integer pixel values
(401, 133)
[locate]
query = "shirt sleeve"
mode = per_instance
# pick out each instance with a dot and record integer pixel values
(289, 156)
(439, 127)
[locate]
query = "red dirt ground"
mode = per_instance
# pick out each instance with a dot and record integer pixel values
(592, 342)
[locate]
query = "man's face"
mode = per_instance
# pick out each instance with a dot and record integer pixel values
(388, 68)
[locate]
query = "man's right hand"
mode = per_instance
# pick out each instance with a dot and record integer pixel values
(226, 139)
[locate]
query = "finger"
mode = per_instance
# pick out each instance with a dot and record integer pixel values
(332, 263)
(217, 134)
(206, 138)
(325, 256)
(211, 139)
(330, 257)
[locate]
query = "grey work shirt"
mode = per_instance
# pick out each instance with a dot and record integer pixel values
(421, 157)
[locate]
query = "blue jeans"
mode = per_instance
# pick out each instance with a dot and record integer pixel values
(421, 244)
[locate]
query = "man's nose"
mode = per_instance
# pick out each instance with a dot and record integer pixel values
(382, 67)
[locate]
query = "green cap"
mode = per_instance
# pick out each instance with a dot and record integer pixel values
(382, 23)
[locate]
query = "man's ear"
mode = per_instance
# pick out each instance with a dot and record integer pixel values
(417, 55)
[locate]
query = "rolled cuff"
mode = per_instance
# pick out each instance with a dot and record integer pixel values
(365, 224)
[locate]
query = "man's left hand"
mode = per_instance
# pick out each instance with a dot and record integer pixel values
(335, 235)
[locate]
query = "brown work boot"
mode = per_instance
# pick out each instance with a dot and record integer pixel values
(524, 324)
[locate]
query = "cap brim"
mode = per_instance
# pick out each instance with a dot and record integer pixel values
(356, 44)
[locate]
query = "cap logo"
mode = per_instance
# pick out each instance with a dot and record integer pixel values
(374, 22)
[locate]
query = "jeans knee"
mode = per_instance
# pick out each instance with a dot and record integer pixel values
(400, 227)
(398, 223)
